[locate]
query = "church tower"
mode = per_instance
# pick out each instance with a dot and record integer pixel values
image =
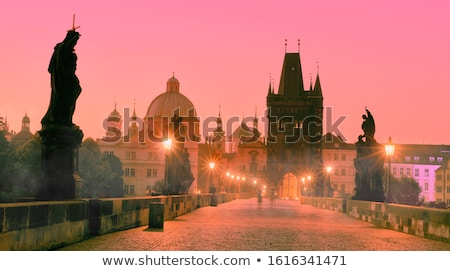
(294, 151)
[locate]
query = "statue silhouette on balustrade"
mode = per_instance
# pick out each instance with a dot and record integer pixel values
(65, 86)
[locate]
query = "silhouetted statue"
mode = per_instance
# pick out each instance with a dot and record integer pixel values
(64, 83)
(368, 163)
(368, 127)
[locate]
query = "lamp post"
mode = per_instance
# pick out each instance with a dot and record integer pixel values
(167, 145)
(212, 165)
(304, 186)
(232, 183)
(389, 148)
(328, 185)
(228, 180)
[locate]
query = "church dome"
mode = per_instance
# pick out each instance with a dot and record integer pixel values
(114, 115)
(26, 119)
(171, 102)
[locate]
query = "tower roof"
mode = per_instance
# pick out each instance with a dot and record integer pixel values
(291, 81)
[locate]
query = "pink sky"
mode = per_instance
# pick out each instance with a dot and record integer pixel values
(393, 57)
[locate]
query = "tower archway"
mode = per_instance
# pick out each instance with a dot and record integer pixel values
(289, 187)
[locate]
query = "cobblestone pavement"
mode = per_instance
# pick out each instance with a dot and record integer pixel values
(246, 225)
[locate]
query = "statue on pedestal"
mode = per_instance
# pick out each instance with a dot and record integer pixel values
(60, 137)
(369, 163)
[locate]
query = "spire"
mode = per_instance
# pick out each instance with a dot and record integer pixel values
(270, 91)
(291, 80)
(219, 128)
(317, 86)
(134, 116)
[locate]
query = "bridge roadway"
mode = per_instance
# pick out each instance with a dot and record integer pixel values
(246, 225)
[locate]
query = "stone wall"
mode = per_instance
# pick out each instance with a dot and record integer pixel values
(425, 222)
(42, 225)
(50, 224)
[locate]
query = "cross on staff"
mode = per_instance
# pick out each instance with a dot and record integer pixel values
(73, 24)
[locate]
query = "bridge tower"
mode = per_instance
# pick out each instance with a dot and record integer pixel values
(294, 140)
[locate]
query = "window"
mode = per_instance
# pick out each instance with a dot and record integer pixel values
(152, 156)
(408, 171)
(408, 158)
(416, 172)
(131, 189)
(152, 172)
(108, 153)
(343, 172)
(416, 158)
(126, 189)
(394, 171)
(130, 155)
(401, 171)
(130, 172)
(427, 172)
(431, 158)
(344, 157)
(439, 159)
(439, 189)
(425, 187)
(336, 157)
(336, 172)
(448, 189)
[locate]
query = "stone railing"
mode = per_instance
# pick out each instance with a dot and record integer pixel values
(425, 222)
(51, 224)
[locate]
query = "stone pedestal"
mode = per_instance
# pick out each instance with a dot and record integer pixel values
(60, 163)
(369, 172)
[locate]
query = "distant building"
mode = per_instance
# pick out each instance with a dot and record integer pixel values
(442, 186)
(138, 142)
(24, 135)
(339, 156)
(419, 161)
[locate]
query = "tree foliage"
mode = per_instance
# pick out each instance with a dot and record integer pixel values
(20, 170)
(404, 191)
(101, 175)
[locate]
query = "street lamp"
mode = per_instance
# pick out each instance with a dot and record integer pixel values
(389, 148)
(212, 165)
(328, 186)
(167, 145)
